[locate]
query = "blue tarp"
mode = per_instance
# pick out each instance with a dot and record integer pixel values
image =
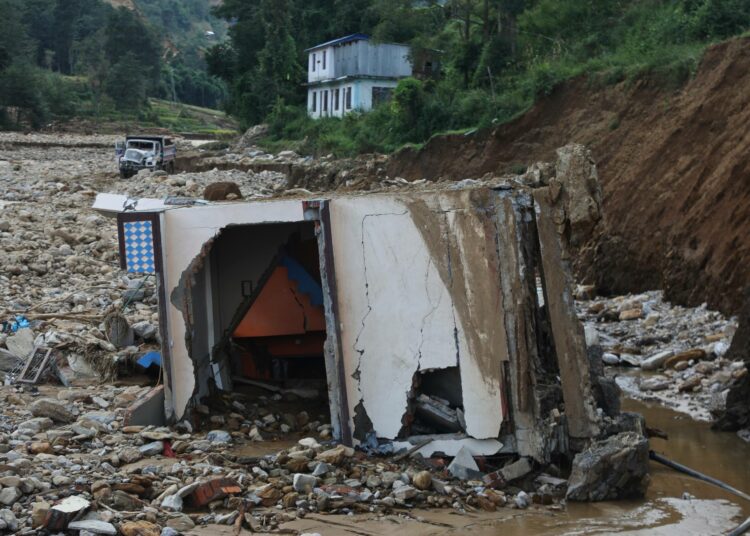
(151, 358)
(305, 282)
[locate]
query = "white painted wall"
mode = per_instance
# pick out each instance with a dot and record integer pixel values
(397, 316)
(361, 96)
(315, 64)
(359, 58)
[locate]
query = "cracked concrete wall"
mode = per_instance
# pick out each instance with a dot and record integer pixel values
(418, 289)
(186, 231)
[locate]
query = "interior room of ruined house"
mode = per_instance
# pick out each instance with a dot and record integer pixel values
(266, 311)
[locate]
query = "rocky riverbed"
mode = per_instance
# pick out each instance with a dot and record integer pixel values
(69, 455)
(665, 353)
(70, 448)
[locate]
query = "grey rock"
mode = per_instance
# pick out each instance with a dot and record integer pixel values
(134, 295)
(9, 519)
(631, 360)
(52, 409)
(303, 483)
(657, 360)
(11, 481)
(152, 449)
(145, 330)
(522, 500)
(93, 526)
(9, 496)
(610, 359)
(169, 531)
(36, 425)
(321, 469)
(219, 436)
(657, 383)
(613, 468)
(102, 417)
(187, 490)
(405, 493)
(130, 455)
(124, 501)
(21, 343)
(173, 503)
(8, 360)
(389, 477)
(516, 470)
(181, 523)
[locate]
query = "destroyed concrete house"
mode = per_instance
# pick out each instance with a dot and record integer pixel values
(443, 314)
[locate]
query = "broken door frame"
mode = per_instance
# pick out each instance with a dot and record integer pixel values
(320, 213)
(316, 212)
(158, 237)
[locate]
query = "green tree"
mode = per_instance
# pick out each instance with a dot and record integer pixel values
(126, 83)
(127, 35)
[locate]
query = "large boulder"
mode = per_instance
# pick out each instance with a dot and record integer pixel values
(52, 409)
(221, 191)
(576, 192)
(613, 468)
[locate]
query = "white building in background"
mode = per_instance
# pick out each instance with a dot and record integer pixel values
(353, 73)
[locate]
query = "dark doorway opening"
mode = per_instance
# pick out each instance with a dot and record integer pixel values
(269, 314)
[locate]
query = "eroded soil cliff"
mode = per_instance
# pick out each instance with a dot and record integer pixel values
(674, 167)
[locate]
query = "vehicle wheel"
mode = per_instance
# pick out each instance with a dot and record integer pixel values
(123, 174)
(170, 168)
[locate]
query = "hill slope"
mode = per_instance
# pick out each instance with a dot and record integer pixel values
(674, 167)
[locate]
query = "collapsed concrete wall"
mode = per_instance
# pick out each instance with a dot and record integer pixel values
(419, 290)
(448, 312)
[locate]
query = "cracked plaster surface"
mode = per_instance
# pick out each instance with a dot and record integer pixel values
(398, 317)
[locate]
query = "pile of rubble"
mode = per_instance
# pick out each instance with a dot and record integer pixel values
(70, 460)
(658, 351)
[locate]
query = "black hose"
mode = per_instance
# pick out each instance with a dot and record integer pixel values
(692, 472)
(742, 529)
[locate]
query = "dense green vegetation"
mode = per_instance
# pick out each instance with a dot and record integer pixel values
(498, 57)
(84, 58)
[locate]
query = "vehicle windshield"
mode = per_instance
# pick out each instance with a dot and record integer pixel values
(142, 145)
(134, 155)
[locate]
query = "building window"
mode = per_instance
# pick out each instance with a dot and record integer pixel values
(313, 62)
(314, 101)
(325, 100)
(336, 100)
(324, 60)
(381, 95)
(348, 98)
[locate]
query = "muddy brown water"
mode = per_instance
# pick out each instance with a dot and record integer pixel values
(665, 511)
